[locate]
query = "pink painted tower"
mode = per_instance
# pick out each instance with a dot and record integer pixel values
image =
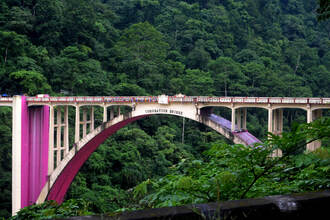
(30, 152)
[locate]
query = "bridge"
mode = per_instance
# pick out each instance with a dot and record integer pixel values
(44, 163)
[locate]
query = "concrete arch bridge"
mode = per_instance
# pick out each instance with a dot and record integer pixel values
(44, 164)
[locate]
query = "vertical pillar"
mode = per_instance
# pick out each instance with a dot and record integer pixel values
(239, 119)
(118, 110)
(278, 121)
(272, 125)
(91, 119)
(275, 121)
(105, 114)
(77, 125)
(233, 117)
(311, 116)
(84, 122)
(16, 154)
(30, 143)
(111, 113)
(58, 136)
(244, 118)
(270, 120)
(66, 129)
(51, 141)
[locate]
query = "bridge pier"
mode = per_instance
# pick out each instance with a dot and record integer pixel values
(275, 126)
(105, 114)
(311, 116)
(29, 152)
(238, 119)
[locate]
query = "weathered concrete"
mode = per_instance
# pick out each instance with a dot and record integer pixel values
(313, 205)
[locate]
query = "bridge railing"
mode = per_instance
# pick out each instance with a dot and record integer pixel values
(173, 99)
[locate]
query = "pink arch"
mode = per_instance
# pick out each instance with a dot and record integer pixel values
(63, 182)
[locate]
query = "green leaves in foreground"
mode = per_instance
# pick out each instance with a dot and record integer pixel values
(51, 210)
(236, 171)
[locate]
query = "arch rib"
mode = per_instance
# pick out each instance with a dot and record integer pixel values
(63, 175)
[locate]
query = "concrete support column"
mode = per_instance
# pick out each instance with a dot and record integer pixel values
(84, 122)
(91, 119)
(58, 136)
(66, 129)
(16, 154)
(239, 119)
(244, 118)
(105, 114)
(77, 125)
(311, 116)
(278, 121)
(270, 120)
(111, 113)
(118, 110)
(233, 119)
(51, 141)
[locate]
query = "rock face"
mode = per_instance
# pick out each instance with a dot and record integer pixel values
(314, 205)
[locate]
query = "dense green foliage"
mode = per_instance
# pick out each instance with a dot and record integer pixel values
(150, 47)
(51, 210)
(229, 172)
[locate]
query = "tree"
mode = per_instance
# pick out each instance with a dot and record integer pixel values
(235, 171)
(228, 77)
(324, 10)
(30, 82)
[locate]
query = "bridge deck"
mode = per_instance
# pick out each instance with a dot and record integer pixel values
(246, 136)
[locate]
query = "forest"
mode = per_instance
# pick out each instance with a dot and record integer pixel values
(274, 48)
